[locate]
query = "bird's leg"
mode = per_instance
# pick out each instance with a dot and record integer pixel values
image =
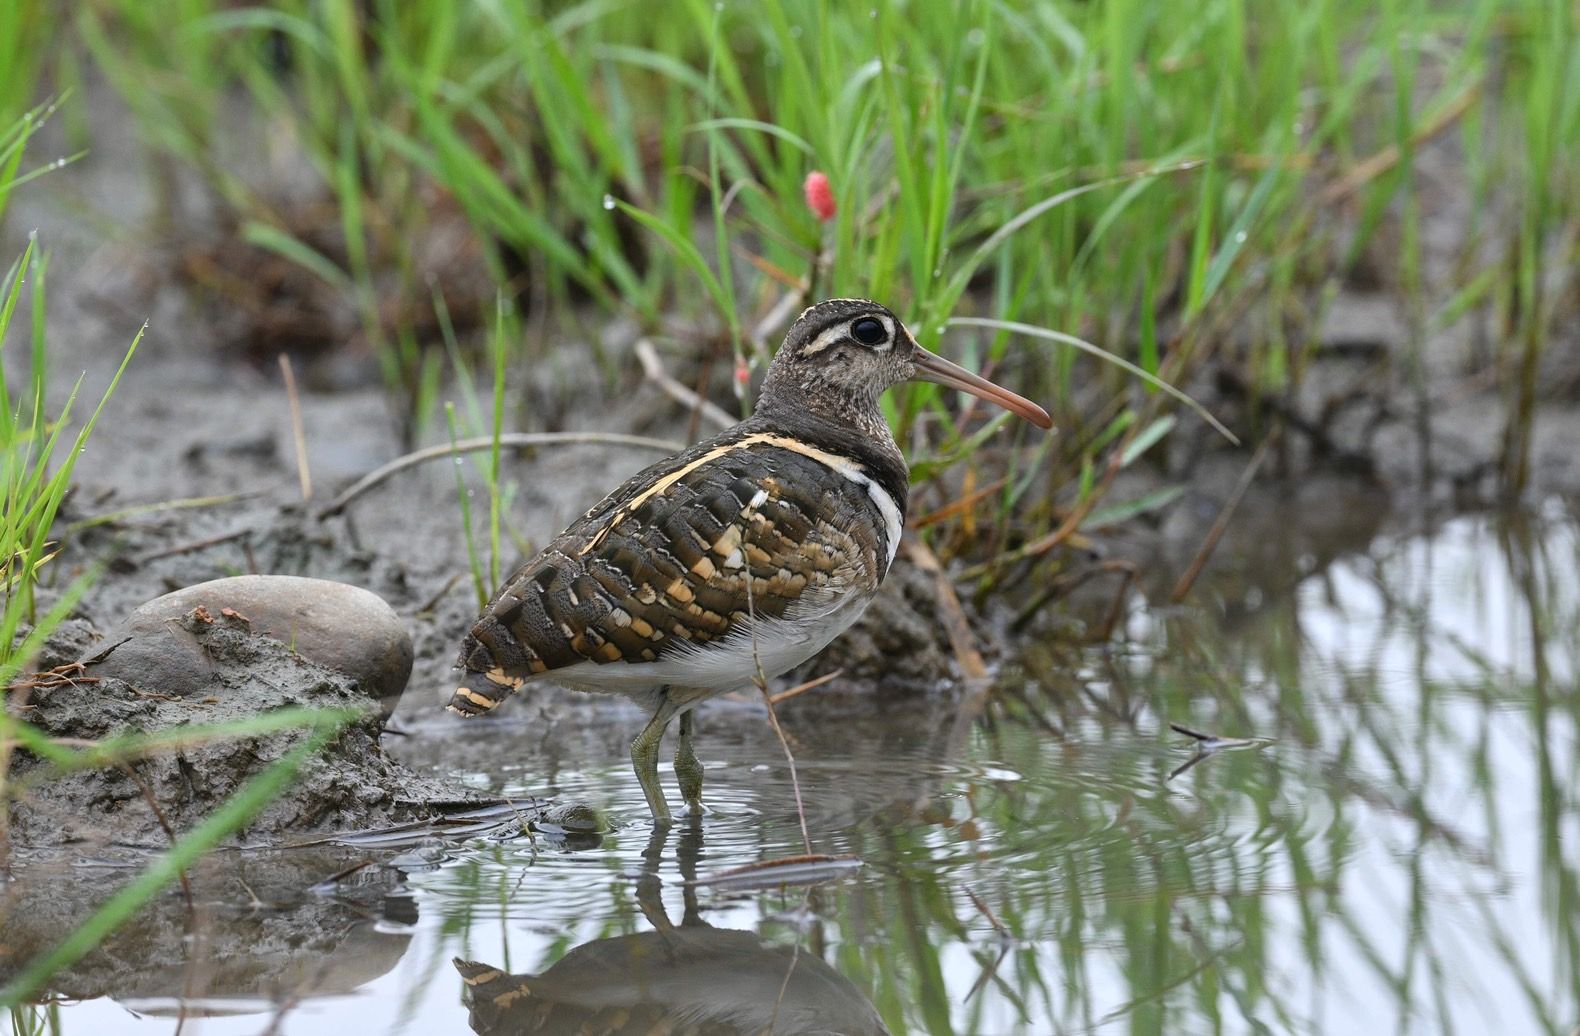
(688, 768)
(644, 759)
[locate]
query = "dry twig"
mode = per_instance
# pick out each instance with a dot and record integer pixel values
(1370, 168)
(958, 628)
(298, 432)
(509, 440)
(801, 688)
(960, 505)
(773, 716)
(653, 368)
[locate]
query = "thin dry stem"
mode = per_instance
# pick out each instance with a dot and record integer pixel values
(130, 769)
(1367, 170)
(809, 685)
(1221, 524)
(960, 505)
(298, 432)
(958, 628)
(653, 368)
(773, 717)
(188, 547)
(509, 440)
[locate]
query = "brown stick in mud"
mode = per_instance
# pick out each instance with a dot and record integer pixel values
(186, 548)
(298, 432)
(130, 769)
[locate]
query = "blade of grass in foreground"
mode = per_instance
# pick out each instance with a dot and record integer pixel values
(121, 748)
(1102, 354)
(225, 821)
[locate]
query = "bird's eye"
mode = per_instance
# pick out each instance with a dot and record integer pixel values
(868, 331)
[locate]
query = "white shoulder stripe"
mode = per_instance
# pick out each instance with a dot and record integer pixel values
(893, 522)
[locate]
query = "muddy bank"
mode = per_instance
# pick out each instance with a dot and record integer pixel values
(349, 784)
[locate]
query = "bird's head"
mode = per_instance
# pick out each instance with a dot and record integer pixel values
(846, 352)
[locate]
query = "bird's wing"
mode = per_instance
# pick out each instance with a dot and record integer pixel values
(754, 523)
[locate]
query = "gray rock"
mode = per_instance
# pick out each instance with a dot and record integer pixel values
(341, 627)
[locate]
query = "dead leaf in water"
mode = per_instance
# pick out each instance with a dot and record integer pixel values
(806, 869)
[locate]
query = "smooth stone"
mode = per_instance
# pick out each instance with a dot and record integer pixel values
(336, 625)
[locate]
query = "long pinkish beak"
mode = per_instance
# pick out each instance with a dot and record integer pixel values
(934, 368)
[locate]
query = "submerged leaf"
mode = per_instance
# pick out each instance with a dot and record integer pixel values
(807, 869)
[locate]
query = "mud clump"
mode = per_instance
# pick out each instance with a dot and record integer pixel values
(348, 783)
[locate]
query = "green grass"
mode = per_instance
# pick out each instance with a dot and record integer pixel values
(1145, 177)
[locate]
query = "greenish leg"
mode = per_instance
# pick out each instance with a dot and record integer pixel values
(644, 760)
(688, 768)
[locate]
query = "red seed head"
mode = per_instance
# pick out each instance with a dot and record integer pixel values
(819, 195)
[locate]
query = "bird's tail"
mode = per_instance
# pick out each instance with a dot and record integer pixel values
(477, 693)
(479, 977)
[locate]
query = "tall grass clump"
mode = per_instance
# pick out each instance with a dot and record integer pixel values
(1185, 187)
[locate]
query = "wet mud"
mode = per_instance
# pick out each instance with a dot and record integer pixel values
(259, 927)
(146, 802)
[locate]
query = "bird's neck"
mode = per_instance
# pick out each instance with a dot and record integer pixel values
(842, 421)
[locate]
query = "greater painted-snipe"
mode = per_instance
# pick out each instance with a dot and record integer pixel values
(741, 556)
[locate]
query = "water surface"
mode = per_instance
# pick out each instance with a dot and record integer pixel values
(1397, 850)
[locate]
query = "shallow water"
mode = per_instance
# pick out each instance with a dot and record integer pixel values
(1401, 853)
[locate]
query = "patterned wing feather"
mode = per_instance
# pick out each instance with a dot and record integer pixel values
(680, 556)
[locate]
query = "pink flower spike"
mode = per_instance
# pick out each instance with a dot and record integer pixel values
(819, 196)
(743, 373)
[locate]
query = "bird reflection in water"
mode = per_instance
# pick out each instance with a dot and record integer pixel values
(689, 978)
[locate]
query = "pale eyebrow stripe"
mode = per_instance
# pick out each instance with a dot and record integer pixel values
(841, 331)
(824, 340)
